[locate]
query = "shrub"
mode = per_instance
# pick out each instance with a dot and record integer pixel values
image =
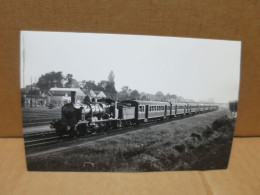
(207, 133)
(220, 123)
(180, 148)
(198, 136)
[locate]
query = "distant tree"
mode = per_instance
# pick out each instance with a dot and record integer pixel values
(71, 83)
(111, 77)
(170, 97)
(82, 84)
(160, 96)
(126, 89)
(134, 95)
(91, 85)
(110, 90)
(124, 93)
(49, 80)
(173, 96)
(144, 97)
(103, 85)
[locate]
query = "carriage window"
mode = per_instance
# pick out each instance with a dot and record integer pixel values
(140, 108)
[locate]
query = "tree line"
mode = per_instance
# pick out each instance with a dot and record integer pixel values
(57, 79)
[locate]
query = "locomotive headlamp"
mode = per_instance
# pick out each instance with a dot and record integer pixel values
(68, 128)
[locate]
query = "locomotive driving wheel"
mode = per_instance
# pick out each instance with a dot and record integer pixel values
(94, 130)
(81, 130)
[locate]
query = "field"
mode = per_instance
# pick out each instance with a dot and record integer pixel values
(198, 142)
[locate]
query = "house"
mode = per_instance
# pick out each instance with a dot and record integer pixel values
(61, 96)
(94, 95)
(32, 97)
(100, 94)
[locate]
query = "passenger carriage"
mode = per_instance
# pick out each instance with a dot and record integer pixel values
(181, 108)
(193, 107)
(146, 110)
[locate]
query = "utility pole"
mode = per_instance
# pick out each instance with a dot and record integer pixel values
(31, 93)
(35, 92)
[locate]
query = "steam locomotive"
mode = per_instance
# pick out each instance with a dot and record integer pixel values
(78, 119)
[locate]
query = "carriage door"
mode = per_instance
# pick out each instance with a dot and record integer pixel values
(165, 111)
(146, 111)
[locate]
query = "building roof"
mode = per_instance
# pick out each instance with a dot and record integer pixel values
(63, 91)
(95, 94)
(100, 94)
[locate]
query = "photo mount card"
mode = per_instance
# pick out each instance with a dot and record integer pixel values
(127, 103)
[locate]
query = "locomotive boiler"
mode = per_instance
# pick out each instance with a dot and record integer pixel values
(87, 117)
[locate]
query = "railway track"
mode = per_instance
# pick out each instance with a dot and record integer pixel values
(35, 140)
(33, 124)
(38, 134)
(36, 118)
(40, 142)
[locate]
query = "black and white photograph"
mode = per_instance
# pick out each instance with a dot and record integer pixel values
(97, 102)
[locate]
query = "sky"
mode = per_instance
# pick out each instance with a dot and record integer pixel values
(199, 69)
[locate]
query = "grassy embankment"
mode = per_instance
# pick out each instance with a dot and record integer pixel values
(199, 142)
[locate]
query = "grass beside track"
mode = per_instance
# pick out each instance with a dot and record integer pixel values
(199, 142)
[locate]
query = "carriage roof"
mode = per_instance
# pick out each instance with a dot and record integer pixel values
(151, 103)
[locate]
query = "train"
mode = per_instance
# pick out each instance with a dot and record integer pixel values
(91, 117)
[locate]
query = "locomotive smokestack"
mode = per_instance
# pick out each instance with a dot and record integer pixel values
(73, 94)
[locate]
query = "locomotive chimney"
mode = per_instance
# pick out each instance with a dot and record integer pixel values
(73, 94)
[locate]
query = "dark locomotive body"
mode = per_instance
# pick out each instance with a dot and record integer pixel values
(78, 119)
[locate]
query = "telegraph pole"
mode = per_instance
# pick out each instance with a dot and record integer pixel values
(31, 93)
(35, 92)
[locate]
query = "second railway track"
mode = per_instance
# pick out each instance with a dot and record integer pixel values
(35, 140)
